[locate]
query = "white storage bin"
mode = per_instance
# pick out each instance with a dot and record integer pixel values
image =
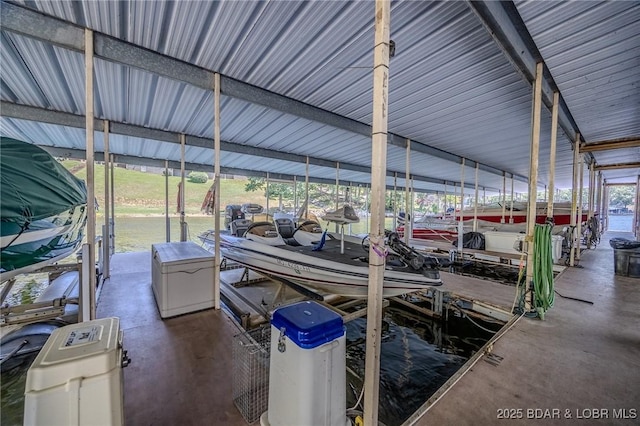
(76, 379)
(501, 242)
(182, 278)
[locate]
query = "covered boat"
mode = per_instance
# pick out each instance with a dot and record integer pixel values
(327, 262)
(43, 210)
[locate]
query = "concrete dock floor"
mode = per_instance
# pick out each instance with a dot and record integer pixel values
(582, 358)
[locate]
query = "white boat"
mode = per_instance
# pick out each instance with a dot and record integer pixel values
(325, 262)
(489, 218)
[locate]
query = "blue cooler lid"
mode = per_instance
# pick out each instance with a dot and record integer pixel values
(308, 324)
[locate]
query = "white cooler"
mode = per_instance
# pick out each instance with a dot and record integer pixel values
(182, 278)
(76, 379)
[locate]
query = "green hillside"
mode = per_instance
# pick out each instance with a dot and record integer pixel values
(138, 193)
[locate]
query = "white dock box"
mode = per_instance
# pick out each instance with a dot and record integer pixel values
(501, 242)
(556, 246)
(307, 372)
(505, 242)
(182, 278)
(76, 379)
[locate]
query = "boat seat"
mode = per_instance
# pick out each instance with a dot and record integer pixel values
(286, 227)
(307, 233)
(263, 229)
(239, 227)
(310, 226)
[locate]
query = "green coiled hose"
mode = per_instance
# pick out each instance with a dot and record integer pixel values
(543, 292)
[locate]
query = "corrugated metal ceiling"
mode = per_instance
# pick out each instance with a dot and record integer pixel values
(593, 52)
(451, 87)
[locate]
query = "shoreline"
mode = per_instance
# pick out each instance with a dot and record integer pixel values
(154, 215)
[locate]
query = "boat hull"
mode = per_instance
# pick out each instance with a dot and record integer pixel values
(349, 279)
(44, 242)
(447, 229)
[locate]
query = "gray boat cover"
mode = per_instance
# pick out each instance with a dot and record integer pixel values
(33, 184)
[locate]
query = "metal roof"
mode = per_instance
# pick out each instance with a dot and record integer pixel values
(297, 82)
(592, 50)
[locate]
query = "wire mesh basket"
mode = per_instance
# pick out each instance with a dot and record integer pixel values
(250, 385)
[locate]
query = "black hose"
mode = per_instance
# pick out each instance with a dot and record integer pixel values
(574, 298)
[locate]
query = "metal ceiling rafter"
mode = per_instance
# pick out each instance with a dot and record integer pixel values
(42, 27)
(153, 162)
(504, 24)
(618, 166)
(633, 142)
(41, 115)
(630, 183)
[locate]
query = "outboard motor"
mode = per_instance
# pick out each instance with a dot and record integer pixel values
(427, 265)
(232, 212)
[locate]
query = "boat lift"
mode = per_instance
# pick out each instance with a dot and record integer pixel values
(251, 313)
(37, 311)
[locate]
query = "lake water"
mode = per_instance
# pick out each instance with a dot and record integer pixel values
(417, 356)
(621, 222)
(12, 391)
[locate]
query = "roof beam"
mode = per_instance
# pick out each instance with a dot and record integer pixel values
(610, 144)
(41, 115)
(33, 24)
(504, 24)
(118, 51)
(36, 25)
(630, 183)
(617, 166)
(79, 154)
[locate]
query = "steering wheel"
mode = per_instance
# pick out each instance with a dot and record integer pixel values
(365, 243)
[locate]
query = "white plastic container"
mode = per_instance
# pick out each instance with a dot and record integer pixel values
(556, 246)
(307, 373)
(76, 379)
(182, 278)
(501, 242)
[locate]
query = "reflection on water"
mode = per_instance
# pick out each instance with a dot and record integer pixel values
(13, 383)
(498, 273)
(418, 355)
(26, 289)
